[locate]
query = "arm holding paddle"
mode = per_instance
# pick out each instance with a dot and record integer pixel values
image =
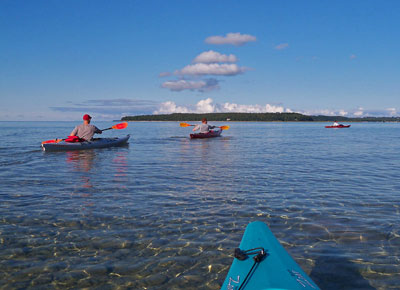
(76, 129)
(221, 127)
(196, 127)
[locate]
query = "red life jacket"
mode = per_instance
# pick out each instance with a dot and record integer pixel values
(73, 139)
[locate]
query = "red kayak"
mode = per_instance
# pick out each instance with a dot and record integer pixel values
(340, 126)
(211, 134)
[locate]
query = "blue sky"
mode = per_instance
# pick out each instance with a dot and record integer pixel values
(61, 59)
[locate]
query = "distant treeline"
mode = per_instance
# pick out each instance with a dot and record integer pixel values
(260, 117)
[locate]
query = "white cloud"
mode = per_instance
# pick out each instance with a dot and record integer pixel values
(231, 38)
(205, 106)
(211, 63)
(231, 107)
(357, 113)
(392, 111)
(388, 112)
(282, 46)
(214, 57)
(223, 69)
(324, 112)
(202, 85)
(169, 108)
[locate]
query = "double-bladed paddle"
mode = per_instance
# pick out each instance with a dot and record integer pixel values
(117, 126)
(188, 125)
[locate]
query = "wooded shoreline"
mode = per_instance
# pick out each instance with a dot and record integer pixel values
(255, 117)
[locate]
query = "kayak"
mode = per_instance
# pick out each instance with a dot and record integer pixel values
(96, 143)
(262, 263)
(340, 126)
(210, 134)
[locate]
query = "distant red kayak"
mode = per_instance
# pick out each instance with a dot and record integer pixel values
(340, 126)
(210, 134)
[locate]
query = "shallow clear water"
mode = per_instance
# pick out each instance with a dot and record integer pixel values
(166, 212)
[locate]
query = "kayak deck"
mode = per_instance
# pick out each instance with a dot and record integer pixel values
(210, 134)
(340, 126)
(275, 270)
(96, 143)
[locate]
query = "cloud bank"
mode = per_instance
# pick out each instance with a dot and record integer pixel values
(356, 112)
(236, 39)
(116, 108)
(199, 69)
(110, 108)
(208, 106)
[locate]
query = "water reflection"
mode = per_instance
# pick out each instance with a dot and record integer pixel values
(120, 165)
(87, 163)
(81, 161)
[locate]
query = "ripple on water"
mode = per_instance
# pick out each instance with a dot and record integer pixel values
(166, 213)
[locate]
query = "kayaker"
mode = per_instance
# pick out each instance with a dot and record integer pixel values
(85, 131)
(203, 127)
(335, 124)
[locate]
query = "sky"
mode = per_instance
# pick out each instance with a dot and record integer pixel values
(62, 59)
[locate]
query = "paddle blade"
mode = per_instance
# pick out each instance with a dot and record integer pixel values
(120, 126)
(185, 125)
(49, 141)
(225, 127)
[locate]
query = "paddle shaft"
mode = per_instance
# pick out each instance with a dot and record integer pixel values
(221, 127)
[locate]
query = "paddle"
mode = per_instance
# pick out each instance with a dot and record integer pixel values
(117, 126)
(188, 125)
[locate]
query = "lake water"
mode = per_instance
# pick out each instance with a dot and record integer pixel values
(166, 212)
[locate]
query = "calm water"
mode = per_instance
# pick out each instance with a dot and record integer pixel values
(166, 212)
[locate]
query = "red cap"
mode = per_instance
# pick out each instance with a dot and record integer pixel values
(86, 117)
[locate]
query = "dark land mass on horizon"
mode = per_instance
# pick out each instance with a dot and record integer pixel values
(255, 117)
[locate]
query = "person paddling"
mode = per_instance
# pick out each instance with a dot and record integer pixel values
(203, 127)
(335, 124)
(85, 131)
